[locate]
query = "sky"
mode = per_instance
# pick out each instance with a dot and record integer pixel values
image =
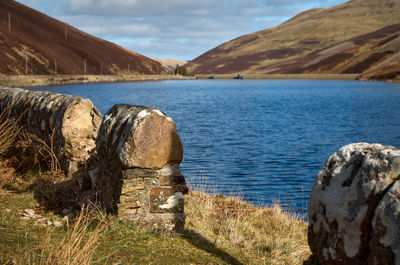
(173, 29)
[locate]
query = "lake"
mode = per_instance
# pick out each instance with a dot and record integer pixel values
(264, 140)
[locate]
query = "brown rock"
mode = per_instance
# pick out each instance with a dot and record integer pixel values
(140, 137)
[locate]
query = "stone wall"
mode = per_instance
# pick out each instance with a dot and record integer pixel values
(354, 208)
(128, 162)
(72, 121)
(136, 171)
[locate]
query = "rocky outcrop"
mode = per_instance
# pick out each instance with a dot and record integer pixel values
(354, 208)
(136, 171)
(68, 123)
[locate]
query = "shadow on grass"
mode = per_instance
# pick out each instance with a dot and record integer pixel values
(200, 242)
(55, 197)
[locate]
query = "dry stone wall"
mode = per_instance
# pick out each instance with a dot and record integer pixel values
(354, 207)
(136, 171)
(128, 162)
(72, 121)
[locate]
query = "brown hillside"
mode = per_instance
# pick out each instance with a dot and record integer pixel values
(46, 42)
(366, 53)
(307, 32)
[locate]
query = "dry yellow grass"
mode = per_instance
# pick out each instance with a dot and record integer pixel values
(8, 131)
(76, 247)
(267, 234)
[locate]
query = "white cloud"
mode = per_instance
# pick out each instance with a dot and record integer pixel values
(181, 29)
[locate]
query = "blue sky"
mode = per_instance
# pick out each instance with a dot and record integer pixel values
(173, 29)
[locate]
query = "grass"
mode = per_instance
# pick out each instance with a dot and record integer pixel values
(8, 131)
(219, 230)
(285, 76)
(46, 80)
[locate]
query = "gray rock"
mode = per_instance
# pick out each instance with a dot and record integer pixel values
(28, 212)
(353, 196)
(57, 224)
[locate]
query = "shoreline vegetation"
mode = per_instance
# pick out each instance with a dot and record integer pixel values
(49, 80)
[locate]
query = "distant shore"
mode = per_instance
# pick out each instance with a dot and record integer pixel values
(282, 76)
(48, 80)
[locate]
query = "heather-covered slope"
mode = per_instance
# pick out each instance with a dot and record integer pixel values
(48, 44)
(307, 32)
(372, 53)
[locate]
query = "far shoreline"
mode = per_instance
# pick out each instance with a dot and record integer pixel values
(50, 80)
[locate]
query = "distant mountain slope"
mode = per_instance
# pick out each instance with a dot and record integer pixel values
(305, 33)
(364, 53)
(43, 45)
(169, 65)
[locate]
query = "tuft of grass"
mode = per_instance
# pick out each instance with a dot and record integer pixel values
(261, 235)
(78, 245)
(8, 131)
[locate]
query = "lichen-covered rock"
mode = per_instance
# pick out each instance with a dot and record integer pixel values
(72, 121)
(353, 209)
(140, 137)
(135, 173)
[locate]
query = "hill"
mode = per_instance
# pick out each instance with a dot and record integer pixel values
(305, 33)
(169, 65)
(35, 44)
(376, 54)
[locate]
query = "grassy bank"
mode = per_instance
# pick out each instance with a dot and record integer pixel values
(36, 81)
(47, 80)
(218, 230)
(284, 76)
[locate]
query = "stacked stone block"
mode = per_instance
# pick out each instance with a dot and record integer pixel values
(70, 122)
(136, 171)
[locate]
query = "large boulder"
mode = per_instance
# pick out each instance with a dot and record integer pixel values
(354, 208)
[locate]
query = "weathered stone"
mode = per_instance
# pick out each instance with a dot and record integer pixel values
(170, 175)
(172, 180)
(130, 205)
(166, 200)
(130, 198)
(133, 146)
(351, 204)
(140, 137)
(171, 222)
(29, 212)
(70, 122)
(385, 240)
(139, 173)
(126, 190)
(169, 170)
